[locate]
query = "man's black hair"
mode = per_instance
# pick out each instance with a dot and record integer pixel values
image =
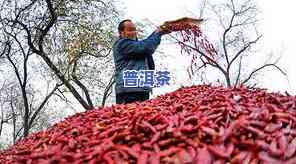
(121, 25)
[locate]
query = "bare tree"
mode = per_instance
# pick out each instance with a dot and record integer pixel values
(234, 24)
(20, 68)
(4, 116)
(45, 24)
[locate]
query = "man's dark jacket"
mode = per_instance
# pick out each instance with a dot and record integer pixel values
(134, 55)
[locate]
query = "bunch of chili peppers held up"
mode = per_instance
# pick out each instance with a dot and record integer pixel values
(199, 124)
(192, 41)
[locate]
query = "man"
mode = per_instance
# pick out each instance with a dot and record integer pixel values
(131, 54)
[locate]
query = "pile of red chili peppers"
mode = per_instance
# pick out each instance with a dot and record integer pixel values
(199, 124)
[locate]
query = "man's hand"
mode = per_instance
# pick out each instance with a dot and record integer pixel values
(163, 30)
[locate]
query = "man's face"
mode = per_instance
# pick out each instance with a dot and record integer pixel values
(129, 30)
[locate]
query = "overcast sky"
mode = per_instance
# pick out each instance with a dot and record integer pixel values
(278, 28)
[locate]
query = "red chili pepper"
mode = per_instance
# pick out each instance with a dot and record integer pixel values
(184, 157)
(204, 156)
(161, 127)
(283, 143)
(143, 158)
(136, 147)
(274, 150)
(239, 157)
(167, 142)
(249, 157)
(291, 150)
(154, 159)
(220, 151)
(148, 125)
(272, 127)
(291, 161)
(108, 159)
(169, 152)
(256, 131)
(268, 159)
(210, 131)
(155, 138)
(228, 132)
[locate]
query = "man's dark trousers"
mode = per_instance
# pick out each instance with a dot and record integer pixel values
(129, 97)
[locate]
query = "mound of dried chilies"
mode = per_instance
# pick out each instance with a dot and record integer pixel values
(200, 124)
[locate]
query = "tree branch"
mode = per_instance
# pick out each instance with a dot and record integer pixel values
(94, 55)
(48, 26)
(239, 71)
(42, 104)
(224, 37)
(75, 79)
(108, 88)
(242, 50)
(262, 67)
(25, 8)
(30, 43)
(18, 76)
